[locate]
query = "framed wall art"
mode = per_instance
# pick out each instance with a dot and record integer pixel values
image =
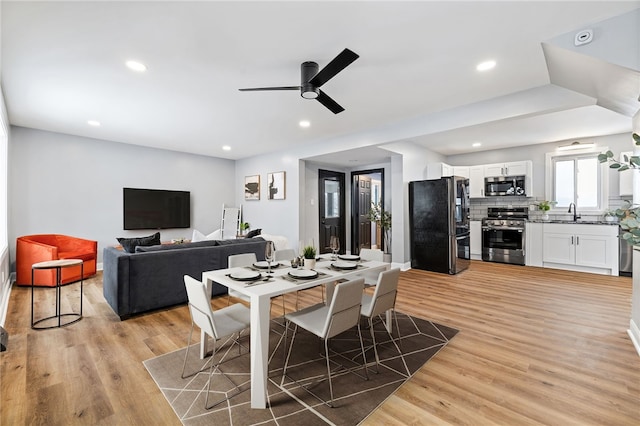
(276, 184)
(252, 187)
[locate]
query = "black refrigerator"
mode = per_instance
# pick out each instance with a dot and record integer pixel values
(439, 224)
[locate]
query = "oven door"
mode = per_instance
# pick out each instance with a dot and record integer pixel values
(503, 244)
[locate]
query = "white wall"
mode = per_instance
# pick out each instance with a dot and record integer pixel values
(73, 185)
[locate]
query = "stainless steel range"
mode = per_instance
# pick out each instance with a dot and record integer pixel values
(503, 234)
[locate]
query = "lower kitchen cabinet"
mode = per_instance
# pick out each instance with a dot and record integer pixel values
(475, 226)
(533, 244)
(579, 247)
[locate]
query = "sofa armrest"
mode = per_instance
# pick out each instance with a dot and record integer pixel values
(115, 280)
(29, 252)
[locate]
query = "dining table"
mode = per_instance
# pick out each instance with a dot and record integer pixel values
(260, 286)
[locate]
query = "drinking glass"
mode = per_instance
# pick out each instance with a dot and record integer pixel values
(334, 244)
(269, 254)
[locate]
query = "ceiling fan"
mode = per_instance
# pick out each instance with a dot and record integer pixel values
(311, 80)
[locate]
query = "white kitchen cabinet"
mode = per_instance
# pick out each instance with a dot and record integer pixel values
(626, 177)
(438, 170)
(476, 239)
(476, 181)
(516, 168)
(580, 247)
(462, 171)
(533, 244)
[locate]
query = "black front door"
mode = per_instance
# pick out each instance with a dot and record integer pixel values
(331, 209)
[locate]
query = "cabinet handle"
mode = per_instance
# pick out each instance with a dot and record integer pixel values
(572, 240)
(577, 240)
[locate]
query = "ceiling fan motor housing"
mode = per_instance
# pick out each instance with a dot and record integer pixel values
(308, 70)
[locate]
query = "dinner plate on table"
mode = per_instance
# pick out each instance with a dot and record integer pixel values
(348, 257)
(263, 264)
(304, 274)
(245, 275)
(344, 265)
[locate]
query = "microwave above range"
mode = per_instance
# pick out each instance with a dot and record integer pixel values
(505, 186)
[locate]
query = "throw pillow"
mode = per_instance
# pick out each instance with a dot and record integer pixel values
(129, 244)
(199, 236)
(253, 233)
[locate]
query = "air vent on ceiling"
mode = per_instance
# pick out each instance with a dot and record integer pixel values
(583, 37)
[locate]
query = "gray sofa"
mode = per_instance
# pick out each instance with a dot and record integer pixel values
(152, 277)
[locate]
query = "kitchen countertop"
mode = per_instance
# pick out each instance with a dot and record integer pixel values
(579, 222)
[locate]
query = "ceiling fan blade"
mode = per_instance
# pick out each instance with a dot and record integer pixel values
(340, 62)
(325, 100)
(258, 89)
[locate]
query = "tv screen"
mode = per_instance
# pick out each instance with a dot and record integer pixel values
(156, 209)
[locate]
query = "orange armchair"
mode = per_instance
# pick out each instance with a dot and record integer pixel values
(32, 249)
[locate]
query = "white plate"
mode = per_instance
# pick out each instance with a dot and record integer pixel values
(303, 273)
(348, 257)
(245, 275)
(263, 264)
(344, 265)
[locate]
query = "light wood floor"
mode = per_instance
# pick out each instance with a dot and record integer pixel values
(536, 346)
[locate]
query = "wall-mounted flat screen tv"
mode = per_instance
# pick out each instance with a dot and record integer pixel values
(156, 209)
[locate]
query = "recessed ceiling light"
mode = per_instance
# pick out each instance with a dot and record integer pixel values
(136, 66)
(94, 123)
(226, 148)
(476, 144)
(304, 123)
(486, 65)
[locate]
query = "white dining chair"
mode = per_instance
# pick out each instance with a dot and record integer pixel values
(327, 322)
(378, 303)
(228, 321)
(370, 254)
(239, 261)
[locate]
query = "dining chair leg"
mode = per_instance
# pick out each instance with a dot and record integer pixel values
(184, 364)
(375, 345)
(364, 360)
(326, 355)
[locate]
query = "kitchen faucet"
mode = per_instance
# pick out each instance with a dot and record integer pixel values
(575, 212)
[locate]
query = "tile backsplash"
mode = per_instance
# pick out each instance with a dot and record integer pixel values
(478, 207)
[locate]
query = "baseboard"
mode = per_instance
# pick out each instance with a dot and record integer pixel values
(5, 293)
(634, 334)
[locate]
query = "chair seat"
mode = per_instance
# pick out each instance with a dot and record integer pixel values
(82, 255)
(231, 319)
(311, 318)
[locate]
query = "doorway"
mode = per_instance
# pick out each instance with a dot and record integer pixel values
(331, 206)
(367, 187)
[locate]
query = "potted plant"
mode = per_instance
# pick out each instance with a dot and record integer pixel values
(244, 227)
(545, 206)
(610, 215)
(309, 254)
(383, 219)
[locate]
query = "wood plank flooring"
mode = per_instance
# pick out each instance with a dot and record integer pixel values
(536, 346)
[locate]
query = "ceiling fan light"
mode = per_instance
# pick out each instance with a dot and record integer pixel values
(576, 145)
(309, 93)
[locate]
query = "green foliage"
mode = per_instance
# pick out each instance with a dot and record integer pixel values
(309, 252)
(382, 217)
(244, 226)
(629, 222)
(545, 205)
(624, 163)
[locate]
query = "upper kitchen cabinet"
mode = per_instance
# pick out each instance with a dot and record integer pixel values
(476, 181)
(626, 177)
(440, 170)
(516, 168)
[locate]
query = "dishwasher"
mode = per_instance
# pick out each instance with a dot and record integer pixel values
(626, 255)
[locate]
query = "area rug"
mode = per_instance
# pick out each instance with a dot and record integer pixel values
(288, 404)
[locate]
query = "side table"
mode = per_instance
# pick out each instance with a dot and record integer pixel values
(57, 265)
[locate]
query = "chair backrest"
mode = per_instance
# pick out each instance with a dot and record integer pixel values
(384, 295)
(369, 254)
(286, 254)
(239, 260)
(200, 306)
(344, 310)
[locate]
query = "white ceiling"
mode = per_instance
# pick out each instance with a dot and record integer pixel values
(63, 64)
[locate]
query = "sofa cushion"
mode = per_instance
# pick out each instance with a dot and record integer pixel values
(253, 233)
(130, 244)
(163, 247)
(82, 255)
